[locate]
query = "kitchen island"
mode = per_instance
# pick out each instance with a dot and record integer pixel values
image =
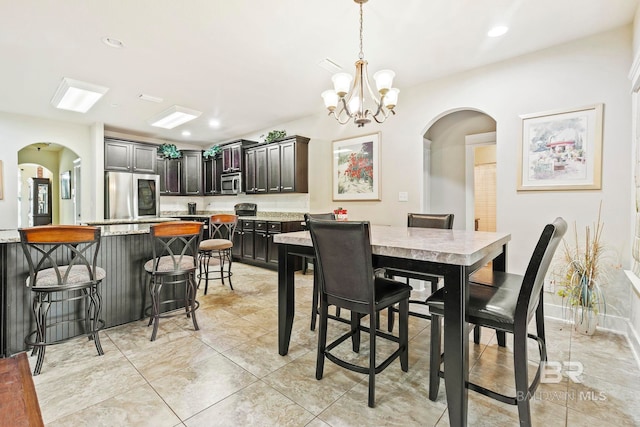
(124, 250)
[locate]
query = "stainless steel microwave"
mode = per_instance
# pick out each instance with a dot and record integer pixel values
(231, 183)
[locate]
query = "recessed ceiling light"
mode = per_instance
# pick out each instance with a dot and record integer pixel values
(78, 96)
(186, 133)
(498, 31)
(174, 116)
(111, 42)
(214, 123)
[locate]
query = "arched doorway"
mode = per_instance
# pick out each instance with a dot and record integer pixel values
(458, 157)
(58, 160)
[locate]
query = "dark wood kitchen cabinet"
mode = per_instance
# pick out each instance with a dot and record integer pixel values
(191, 175)
(170, 171)
(253, 241)
(278, 167)
(256, 170)
(212, 169)
(232, 155)
(129, 156)
(183, 176)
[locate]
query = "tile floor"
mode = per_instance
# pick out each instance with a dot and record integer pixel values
(230, 374)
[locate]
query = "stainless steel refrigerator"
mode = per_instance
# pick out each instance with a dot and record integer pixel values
(131, 195)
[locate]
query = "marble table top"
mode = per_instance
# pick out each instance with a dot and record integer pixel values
(459, 247)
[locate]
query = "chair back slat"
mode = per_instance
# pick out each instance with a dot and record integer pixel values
(329, 215)
(537, 268)
(222, 226)
(343, 255)
(423, 220)
(60, 247)
(177, 240)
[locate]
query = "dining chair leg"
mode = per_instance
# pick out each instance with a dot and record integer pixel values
(355, 330)
(520, 363)
(314, 303)
(502, 338)
(476, 334)
(434, 359)
(322, 340)
(373, 326)
(403, 335)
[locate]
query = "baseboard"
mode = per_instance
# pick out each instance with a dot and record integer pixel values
(613, 324)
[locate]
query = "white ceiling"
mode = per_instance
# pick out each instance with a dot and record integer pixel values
(253, 64)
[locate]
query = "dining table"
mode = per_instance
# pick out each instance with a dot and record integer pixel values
(452, 254)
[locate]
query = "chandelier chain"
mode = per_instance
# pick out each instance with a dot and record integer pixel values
(361, 51)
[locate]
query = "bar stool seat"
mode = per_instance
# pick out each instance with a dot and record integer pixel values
(64, 280)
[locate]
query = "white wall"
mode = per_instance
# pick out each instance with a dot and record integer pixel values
(584, 72)
(18, 131)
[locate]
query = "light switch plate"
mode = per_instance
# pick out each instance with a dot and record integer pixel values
(403, 196)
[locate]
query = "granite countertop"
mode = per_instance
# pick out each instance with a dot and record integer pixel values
(260, 216)
(129, 221)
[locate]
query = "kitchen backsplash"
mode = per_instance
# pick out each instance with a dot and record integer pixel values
(294, 202)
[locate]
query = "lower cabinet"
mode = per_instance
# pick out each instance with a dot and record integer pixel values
(253, 241)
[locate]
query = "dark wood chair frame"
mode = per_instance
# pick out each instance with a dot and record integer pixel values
(178, 242)
(482, 312)
(63, 248)
(347, 280)
(422, 220)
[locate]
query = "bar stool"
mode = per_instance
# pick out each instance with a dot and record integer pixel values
(216, 250)
(62, 267)
(175, 249)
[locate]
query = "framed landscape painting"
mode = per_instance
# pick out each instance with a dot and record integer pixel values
(561, 150)
(356, 168)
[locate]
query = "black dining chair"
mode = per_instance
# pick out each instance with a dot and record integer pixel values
(174, 263)
(422, 220)
(347, 280)
(305, 261)
(508, 305)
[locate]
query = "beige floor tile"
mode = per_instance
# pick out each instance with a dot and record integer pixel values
(230, 372)
(194, 389)
(140, 407)
(256, 405)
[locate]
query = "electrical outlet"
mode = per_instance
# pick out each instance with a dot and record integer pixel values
(549, 285)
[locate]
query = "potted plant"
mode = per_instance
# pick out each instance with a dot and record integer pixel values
(583, 273)
(274, 135)
(212, 152)
(169, 151)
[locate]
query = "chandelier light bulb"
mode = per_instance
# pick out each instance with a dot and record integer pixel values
(391, 98)
(330, 98)
(384, 80)
(341, 83)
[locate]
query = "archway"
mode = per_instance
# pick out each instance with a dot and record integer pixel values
(59, 161)
(448, 187)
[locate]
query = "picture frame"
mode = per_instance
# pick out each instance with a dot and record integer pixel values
(65, 185)
(356, 168)
(561, 150)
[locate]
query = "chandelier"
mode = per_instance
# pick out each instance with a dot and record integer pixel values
(353, 102)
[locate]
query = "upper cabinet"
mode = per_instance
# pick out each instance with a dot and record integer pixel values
(278, 167)
(232, 156)
(183, 176)
(128, 156)
(212, 169)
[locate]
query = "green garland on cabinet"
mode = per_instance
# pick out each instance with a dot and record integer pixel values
(169, 151)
